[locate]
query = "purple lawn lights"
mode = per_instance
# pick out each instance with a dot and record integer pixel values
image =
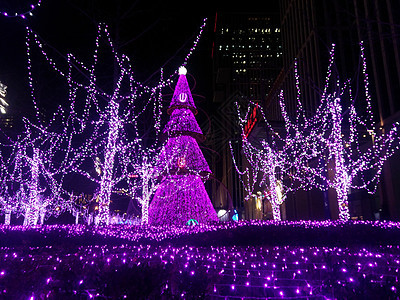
(147, 267)
(316, 233)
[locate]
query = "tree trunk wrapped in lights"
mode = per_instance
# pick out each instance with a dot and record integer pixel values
(312, 144)
(32, 211)
(105, 124)
(143, 183)
(106, 181)
(36, 170)
(181, 195)
(355, 167)
(273, 165)
(8, 201)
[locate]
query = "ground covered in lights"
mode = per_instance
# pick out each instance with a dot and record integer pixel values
(253, 260)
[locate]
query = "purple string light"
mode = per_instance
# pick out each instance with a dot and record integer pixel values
(303, 157)
(94, 133)
(24, 14)
(181, 195)
(213, 271)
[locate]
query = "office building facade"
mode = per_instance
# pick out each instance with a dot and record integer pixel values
(247, 57)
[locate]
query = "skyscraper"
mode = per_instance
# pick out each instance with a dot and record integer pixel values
(247, 56)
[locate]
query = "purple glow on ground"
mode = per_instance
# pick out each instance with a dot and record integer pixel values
(145, 266)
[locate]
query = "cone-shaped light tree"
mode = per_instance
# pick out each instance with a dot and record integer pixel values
(181, 195)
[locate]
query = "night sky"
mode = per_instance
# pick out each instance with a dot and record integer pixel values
(151, 33)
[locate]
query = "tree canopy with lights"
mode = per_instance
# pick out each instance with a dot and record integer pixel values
(325, 150)
(98, 136)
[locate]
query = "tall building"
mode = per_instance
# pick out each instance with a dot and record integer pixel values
(247, 57)
(8, 114)
(309, 28)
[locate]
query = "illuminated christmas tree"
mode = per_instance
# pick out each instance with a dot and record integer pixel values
(104, 144)
(181, 195)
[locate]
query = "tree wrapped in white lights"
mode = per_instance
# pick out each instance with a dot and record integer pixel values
(335, 135)
(275, 163)
(303, 157)
(143, 181)
(269, 163)
(99, 131)
(40, 160)
(105, 131)
(32, 173)
(8, 201)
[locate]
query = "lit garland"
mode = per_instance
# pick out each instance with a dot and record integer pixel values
(23, 14)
